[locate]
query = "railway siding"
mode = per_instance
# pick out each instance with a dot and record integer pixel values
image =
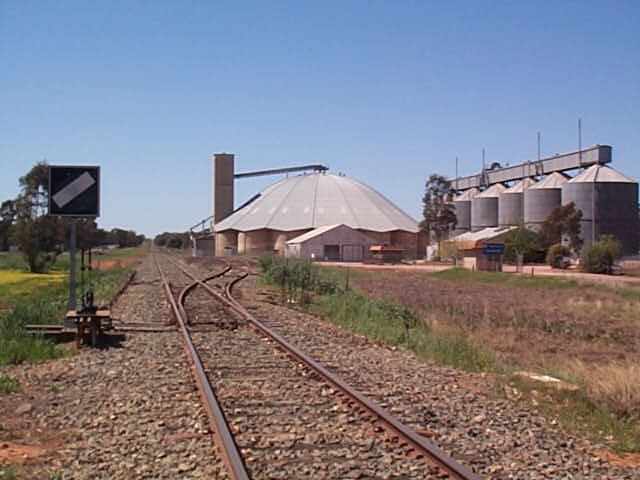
(287, 423)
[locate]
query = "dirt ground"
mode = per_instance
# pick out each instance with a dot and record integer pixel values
(534, 328)
(109, 264)
(22, 442)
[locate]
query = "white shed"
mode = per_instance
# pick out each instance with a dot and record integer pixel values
(332, 243)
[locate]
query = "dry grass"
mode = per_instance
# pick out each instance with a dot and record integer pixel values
(586, 334)
(615, 386)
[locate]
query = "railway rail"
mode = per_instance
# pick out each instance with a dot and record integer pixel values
(309, 418)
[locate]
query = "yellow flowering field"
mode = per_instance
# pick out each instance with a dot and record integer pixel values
(17, 276)
(16, 284)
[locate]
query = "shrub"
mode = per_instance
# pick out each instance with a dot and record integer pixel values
(601, 256)
(558, 256)
(522, 241)
(294, 274)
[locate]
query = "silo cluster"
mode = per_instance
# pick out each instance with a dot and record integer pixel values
(608, 201)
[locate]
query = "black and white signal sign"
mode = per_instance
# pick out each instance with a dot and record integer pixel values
(74, 191)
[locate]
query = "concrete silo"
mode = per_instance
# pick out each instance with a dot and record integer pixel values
(609, 204)
(511, 203)
(484, 208)
(462, 204)
(541, 198)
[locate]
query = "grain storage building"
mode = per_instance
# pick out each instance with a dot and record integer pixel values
(300, 204)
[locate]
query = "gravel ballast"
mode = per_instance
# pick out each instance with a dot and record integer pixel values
(127, 411)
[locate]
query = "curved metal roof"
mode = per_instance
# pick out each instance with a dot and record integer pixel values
(311, 201)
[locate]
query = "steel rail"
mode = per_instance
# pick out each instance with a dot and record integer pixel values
(432, 453)
(391, 424)
(224, 439)
(186, 290)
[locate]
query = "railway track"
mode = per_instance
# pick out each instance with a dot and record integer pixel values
(276, 412)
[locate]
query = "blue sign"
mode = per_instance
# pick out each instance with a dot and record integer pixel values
(493, 249)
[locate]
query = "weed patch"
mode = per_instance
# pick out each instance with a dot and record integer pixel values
(9, 384)
(7, 472)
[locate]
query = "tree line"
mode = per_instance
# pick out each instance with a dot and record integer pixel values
(25, 223)
(178, 240)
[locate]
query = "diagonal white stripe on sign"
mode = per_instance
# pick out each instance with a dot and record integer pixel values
(75, 188)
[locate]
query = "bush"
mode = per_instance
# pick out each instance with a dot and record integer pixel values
(295, 275)
(558, 256)
(601, 256)
(521, 240)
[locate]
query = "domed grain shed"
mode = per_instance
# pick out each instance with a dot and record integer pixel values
(511, 203)
(299, 204)
(609, 204)
(462, 204)
(484, 208)
(541, 198)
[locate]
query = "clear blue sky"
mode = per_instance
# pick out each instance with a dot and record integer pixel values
(386, 92)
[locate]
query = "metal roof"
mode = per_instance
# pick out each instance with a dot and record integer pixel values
(310, 201)
(467, 195)
(492, 191)
(469, 240)
(521, 186)
(313, 233)
(327, 228)
(600, 173)
(554, 180)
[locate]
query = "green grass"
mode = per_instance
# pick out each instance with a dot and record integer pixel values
(8, 472)
(381, 320)
(390, 323)
(460, 274)
(12, 261)
(46, 306)
(9, 384)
